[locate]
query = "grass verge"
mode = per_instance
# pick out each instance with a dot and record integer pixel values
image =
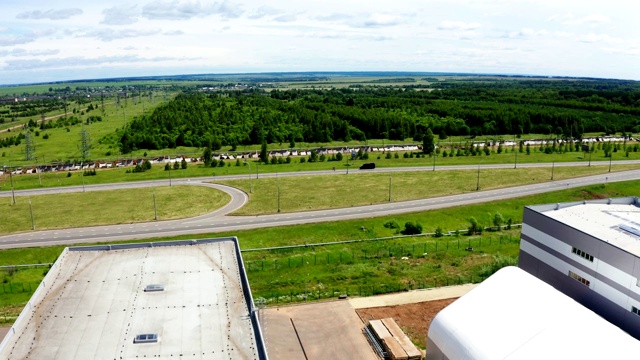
(108, 207)
(331, 191)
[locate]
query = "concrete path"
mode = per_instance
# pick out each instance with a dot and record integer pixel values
(411, 297)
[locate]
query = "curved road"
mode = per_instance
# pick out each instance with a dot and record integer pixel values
(219, 221)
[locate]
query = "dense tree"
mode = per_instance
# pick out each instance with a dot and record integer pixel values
(428, 143)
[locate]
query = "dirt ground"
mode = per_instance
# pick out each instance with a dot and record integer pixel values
(414, 319)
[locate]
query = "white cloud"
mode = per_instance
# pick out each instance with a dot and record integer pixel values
(334, 17)
(111, 34)
(285, 18)
(588, 20)
(50, 14)
(78, 61)
(264, 11)
(120, 15)
(599, 38)
(37, 52)
(377, 21)
(459, 26)
(184, 10)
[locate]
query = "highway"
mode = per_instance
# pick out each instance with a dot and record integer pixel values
(219, 220)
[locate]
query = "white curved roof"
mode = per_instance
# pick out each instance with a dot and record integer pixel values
(514, 315)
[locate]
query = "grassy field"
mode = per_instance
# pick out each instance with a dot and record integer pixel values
(331, 191)
(108, 207)
(363, 268)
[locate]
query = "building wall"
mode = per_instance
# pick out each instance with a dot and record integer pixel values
(546, 251)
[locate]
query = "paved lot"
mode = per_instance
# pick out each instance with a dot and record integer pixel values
(330, 330)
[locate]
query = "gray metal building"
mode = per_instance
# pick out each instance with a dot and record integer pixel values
(590, 251)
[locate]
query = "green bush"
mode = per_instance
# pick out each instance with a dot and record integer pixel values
(412, 229)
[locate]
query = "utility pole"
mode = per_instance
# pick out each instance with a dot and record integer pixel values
(155, 206)
(610, 158)
(516, 149)
(33, 224)
(13, 194)
(434, 160)
(553, 165)
(478, 183)
(590, 152)
(170, 173)
(389, 187)
(82, 175)
(278, 180)
(250, 181)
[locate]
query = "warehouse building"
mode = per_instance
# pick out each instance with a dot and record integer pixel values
(513, 315)
(589, 251)
(178, 299)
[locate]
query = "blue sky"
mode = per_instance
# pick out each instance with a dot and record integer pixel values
(65, 40)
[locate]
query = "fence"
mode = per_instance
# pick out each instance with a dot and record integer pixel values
(18, 287)
(293, 296)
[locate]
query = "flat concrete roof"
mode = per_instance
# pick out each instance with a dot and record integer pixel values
(603, 219)
(92, 304)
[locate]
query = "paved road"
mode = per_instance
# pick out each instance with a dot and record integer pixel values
(218, 221)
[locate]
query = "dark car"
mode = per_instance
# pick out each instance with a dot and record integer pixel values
(368, 166)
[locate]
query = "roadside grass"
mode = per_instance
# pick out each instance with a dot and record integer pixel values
(331, 191)
(365, 274)
(108, 207)
(233, 167)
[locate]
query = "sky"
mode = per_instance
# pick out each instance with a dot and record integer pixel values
(57, 40)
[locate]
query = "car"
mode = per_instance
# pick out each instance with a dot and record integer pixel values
(368, 166)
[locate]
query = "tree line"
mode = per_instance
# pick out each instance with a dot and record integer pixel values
(566, 108)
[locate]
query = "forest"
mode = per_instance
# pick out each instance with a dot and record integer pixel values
(566, 108)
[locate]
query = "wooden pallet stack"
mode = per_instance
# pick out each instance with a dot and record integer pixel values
(394, 340)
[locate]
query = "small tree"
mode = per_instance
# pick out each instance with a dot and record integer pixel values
(498, 220)
(176, 165)
(264, 154)
(339, 156)
(167, 167)
(147, 165)
(206, 156)
(183, 164)
(474, 227)
(438, 232)
(428, 142)
(314, 156)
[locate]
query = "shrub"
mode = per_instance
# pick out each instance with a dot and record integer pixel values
(176, 165)
(411, 228)
(183, 164)
(167, 167)
(303, 160)
(391, 224)
(339, 157)
(438, 232)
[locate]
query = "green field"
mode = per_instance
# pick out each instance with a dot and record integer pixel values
(108, 207)
(331, 191)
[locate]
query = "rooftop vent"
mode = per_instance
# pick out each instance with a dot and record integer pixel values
(145, 338)
(631, 229)
(154, 287)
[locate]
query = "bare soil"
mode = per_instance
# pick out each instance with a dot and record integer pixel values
(413, 319)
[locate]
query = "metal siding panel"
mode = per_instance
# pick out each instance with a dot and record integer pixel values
(613, 255)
